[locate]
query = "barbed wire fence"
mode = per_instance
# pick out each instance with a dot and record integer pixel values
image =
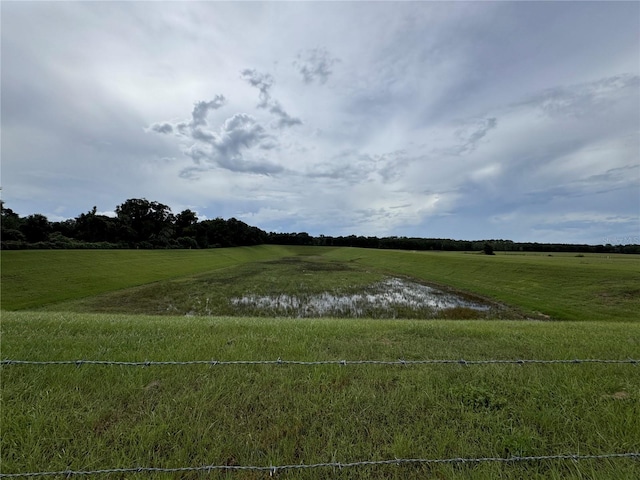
(279, 361)
(272, 470)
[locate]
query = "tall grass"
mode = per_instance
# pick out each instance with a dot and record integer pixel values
(95, 417)
(55, 418)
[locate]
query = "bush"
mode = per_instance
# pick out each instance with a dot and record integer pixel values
(187, 242)
(488, 249)
(12, 234)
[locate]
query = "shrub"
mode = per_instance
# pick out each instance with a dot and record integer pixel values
(488, 249)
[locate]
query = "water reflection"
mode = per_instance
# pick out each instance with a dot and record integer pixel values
(386, 298)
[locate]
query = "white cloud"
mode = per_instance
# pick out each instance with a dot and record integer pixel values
(379, 118)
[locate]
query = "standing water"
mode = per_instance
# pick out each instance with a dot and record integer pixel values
(390, 298)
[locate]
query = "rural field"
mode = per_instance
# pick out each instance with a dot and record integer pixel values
(316, 357)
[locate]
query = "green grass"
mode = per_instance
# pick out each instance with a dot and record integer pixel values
(96, 417)
(300, 277)
(561, 287)
(33, 278)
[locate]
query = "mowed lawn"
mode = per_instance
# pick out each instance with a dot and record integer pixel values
(558, 287)
(34, 278)
(94, 417)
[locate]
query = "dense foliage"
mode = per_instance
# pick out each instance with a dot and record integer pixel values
(140, 223)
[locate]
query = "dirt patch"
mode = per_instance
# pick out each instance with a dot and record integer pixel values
(307, 265)
(621, 395)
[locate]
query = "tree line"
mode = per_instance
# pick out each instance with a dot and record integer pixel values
(140, 223)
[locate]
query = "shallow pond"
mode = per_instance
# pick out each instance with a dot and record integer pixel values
(390, 298)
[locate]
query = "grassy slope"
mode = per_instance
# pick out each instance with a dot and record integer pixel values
(94, 417)
(100, 417)
(33, 278)
(564, 287)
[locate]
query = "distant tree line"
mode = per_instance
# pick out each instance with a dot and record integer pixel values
(484, 246)
(140, 223)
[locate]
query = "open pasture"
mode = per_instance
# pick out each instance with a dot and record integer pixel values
(94, 417)
(558, 287)
(33, 278)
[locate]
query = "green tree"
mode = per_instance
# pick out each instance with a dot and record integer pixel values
(488, 249)
(185, 222)
(36, 228)
(11, 223)
(145, 221)
(92, 227)
(10, 219)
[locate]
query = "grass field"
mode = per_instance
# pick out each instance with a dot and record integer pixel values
(94, 417)
(63, 417)
(560, 287)
(33, 278)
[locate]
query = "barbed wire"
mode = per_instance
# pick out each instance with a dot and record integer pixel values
(339, 465)
(279, 361)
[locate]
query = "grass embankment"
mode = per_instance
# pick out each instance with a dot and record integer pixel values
(99, 417)
(292, 286)
(96, 417)
(560, 286)
(33, 278)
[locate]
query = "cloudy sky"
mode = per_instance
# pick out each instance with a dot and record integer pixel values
(436, 119)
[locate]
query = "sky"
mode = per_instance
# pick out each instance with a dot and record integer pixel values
(464, 120)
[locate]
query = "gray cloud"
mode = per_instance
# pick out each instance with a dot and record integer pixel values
(198, 119)
(258, 167)
(238, 132)
(165, 128)
(182, 128)
(202, 135)
(613, 179)
(284, 119)
(476, 134)
(495, 103)
(468, 136)
(227, 147)
(392, 165)
(264, 82)
(201, 110)
(315, 64)
(197, 153)
(349, 166)
(586, 98)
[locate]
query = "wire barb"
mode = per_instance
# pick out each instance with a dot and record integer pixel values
(279, 361)
(273, 469)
